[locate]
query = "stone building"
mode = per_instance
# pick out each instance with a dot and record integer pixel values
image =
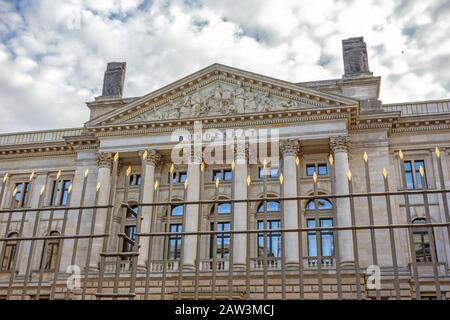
(348, 202)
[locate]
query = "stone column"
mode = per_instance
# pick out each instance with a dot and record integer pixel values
(147, 186)
(192, 212)
(339, 146)
(289, 151)
(240, 208)
(104, 162)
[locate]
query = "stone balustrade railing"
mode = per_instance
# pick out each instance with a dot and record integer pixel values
(38, 136)
(419, 108)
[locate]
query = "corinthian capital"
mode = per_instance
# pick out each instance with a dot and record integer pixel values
(104, 160)
(153, 158)
(289, 148)
(340, 143)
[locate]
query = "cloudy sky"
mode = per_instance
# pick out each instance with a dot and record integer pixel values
(53, 53)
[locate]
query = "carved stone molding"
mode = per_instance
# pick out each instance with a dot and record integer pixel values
(340, 144)
(104, 160)
(153, 158)
(289, 148)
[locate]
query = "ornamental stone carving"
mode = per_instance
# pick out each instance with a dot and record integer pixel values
(241, 151)
(153, 158)
(218, 99)
(104, 160)
(340, 143)
(289, 148)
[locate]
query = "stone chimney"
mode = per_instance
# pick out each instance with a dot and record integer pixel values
(356, 62)
(114, 80)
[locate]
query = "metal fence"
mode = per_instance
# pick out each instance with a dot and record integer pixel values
(116, 274)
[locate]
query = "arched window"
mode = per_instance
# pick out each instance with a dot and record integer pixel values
(50, 252)
(132, 211)
(176, 210)
(422, 241)
(222, 208)
(9, 252)
(272, 206)
(323, 204)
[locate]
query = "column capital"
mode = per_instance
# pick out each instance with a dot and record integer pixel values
(153, 158)
(289, 147)
(104, 160)
(340, 143)
(196, 156)
(241, 152)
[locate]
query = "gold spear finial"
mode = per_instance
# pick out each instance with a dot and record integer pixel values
(422, 171)
(217, 182)
(281, 179)
(185, 183)
(58, 175)
(32, 175)
(297, 161)
(249, 180)
(400, 154)
(98, 187)
(86, 172)
(385, 173)
(365, 157)
(202, 167)
(42, 190)
(331, 159)
(438, 152)
(155, 186)
(233, 165)
(349, 175)
(5, 178)
(69, 190)
(172, 168)
(144, 155)
(128, 171)
(116, 157)
(314, 177)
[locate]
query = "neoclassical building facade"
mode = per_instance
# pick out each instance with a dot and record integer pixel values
(346, 198)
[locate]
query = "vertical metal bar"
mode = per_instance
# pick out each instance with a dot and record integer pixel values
(264, 258)
(355, 239)
(31, 252)
(335, 233)
(431, 237)
(78, 226)
(214, 242)
(49, 229)
(88, 255)
(4, 185)
(230, 249)
(371, 219)
(318, 240)
(410, 232)
(121, 231)
(182, 237)
(392, 238)
(300, 235)
(134, 258)
(199, 238)
(151, 237)
(444, 194)
(283, 240)
(248, 247)
(166, 238)
(58, 259)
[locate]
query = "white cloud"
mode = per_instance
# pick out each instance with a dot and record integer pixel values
(53, 54)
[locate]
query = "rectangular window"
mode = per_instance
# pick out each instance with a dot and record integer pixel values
(272, 173)
(130, 232)
(273, 239)
(20, 198)
(222, 175)
(179, 176)
(175, 242)
(135, 180)
(326, 242)
(222, 241)
(321, 169)
(414, 179)
(60, 193)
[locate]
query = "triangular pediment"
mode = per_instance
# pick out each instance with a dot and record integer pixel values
(220, 91)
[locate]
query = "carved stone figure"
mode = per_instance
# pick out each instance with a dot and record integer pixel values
(250, 100)
(289, 104)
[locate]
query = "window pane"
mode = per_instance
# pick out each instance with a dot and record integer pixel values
(274, 172)
(272, 206)
(217, 174)
(174, 241)
(273, 239)
(222, 240)
(327, 237)
(65, 195)
(227, 175)
(224, 208)
(312, 242)
(408, 175)
(419, 179)
(324, 204)
(177, 210)
(310, 168)
(322, 169)
(182, 177)
(133, 212)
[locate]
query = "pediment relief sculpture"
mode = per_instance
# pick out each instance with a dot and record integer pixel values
(219, 99)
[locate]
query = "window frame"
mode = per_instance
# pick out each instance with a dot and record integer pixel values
(177, 238)
(63, 196)
(220, 238)
(23, 201)
(316, 165)
(11, 247)
(49, 253)
(270, 176)
(270, 235)
(222, 172)
(135, 180)
(414, 173)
